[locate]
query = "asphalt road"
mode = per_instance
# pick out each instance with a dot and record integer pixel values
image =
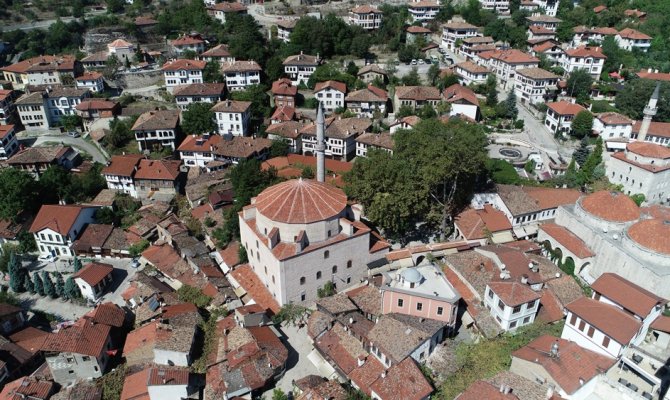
(78, 143)
(46, 23)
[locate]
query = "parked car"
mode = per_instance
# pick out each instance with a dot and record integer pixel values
(46, 258)
(420, 62)
(73, 134)
(135, 263)
(413, 62)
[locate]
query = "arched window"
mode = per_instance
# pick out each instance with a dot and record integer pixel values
(302, 280)
(326, 254)
(318, 274)
(334, 269)
(349, 264)
(273, 279)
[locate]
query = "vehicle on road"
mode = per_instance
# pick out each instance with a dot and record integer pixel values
(73, 134)
(413, 62)
(46, 258)
(135, 263)
(421, 62)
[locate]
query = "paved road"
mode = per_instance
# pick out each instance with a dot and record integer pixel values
(46, 23)
(78, 143)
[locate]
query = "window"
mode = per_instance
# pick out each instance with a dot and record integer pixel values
(440, 310)
(266, 270)
(318, 274)
(606, 341)
(302, 280)
(516, 309)
(69, 359)
(596, 296)
(512, 325)
(501, 305)
(86, 358)
(582, 324)
(526, 320)
(348, 279)
(95, 367)
(302, 296)
(401, 302)
(590, 332)
(326, 254)
(334, 269)
(490, 293)
(532, 304)
(419, 306)
(573, 320)
(349, 264)
(273, 279)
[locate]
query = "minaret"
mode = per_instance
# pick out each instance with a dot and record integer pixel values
(649, 112)
(320, 145)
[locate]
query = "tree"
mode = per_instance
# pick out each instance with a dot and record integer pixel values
(352, 69)
(587, 172)
(510, 106)
(6, 252)
(212, 72)
(582, 125)
(502, 172)
(76, 263)
(582, 153)
(59, 284)
(327, 290)
(38, 284)
(412, 78)
(136, 249)
(114, 6)
(190, 294)
(579, 85)
(198, 119)
(71, 289)
(260, 101)
(491, 91)
(292, 314)
(49, 287)
(433, 74)
(638, 198)
(279, 148)
(635, 95)
(120, 133)
(18, 192)
(28, 284)
(16, 273)
(400, 190)
(55, 184)
(70, 122)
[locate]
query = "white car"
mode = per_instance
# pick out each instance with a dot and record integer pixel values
(46, 258)
(421, 62)
(413, 62)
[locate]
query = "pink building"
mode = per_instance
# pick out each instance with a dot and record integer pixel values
(422, 292)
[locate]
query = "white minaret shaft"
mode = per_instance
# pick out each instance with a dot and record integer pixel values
(320, 145)
(649, 113)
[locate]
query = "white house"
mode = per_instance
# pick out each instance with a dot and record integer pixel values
(423, 10)
(156, 129)
(512, 304)
(8, 142)
(615, 129)
(560, 115)
(220, 10)
(214, 151)
(232, 117)
(119, 173)
(92, 81)
(300, 67)
(583, 35)
(183, 72)
(463, 101)
(378, 141)
(544, 21)
(185, 95)
(56, 227)
(590, 59)
(531, 84)
(340, 137)
(471, 73)
(551, 49)
(454, 31)
(121, 49)
(331, 94)
(284, 29)
(550, 7)
(93, 279)
(367, 17)
(505, 63)
(240, 74)
(497, 6)
(193, 42)
(218, 53)
(368, 102)
(629, 39)
(642, 168)
(537, 33)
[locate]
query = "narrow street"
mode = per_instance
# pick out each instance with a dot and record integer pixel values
(78, 143)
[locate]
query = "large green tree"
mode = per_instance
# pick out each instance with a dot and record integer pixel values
(635, 95)
(198, 119)
(429, 178)
(18, 192)
(582, 125)
(579, 85)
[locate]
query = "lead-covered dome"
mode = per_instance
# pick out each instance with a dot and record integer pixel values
(301, 201)
(611, 206)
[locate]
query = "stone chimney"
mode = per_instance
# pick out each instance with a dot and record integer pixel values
(320, 145)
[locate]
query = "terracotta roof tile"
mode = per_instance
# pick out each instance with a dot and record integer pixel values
(565, 108)
(536, 73)
(241, 66)
(229, 7)
(607, 318)
(254, 287)
(28, 388)
(231, 106)
(611, 206)
(383, 140)
(168, 170)
(586, 51)
(573, 364)
(365, 9)
(612, 118)
(472, 223)
(647, 149)
(182, 64)
(302, 59)
(630, 33)
(458, 94)
(483, 390)
(83, 338)
(107, 313)
(513, 293)
(418, 93)
(94, 273)
(284, 87)
(472, 67)
(512, 56)
(135, 386)
(200, 89)
(403, 381)
(568, 239)
(627, 294)
(59, 218)
(662, 323)
(339, 86)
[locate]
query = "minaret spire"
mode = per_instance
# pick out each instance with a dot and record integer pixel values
(649, 113)
(320, 145)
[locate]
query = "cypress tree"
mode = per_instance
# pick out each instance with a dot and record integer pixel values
(49, 287)
(38, 284)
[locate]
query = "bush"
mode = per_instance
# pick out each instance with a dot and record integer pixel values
(519, 124)
(190, 294)
(137, 249)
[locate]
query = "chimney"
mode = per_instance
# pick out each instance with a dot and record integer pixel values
(361, 361)
(550, 392)
(320, 145)
(554, 350)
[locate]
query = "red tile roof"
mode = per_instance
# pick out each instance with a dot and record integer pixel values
(365, 375)
(655, 75)
(586, 51)
(107, 313)
(186, 40)
(655, 129)
(55, 63)
(300, 201)
(30, 339)
(94, 273)
(551, 309)
(122, 165)
(135, 386)
(5, 130)
(417, 29)
(662, 323)
(179, 309)
(59, 218)
(160, 376)
(27, 388)
(629, 33)
(472, 223)
(513, 293)
(573, 363)
(457, 94)
(339, 86)
(83, 337)
(167, 170)
(612, 118)
(481, 390)
(651, 150)
(284, 87)
(614, 322)
(403, 381)
(627, 294)
(143, 336)
(365, 9)
(182, 64)
(652, 234)
(568, 239)
(512, 56)
(611, 206)
(565, 108)
(254, 287)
